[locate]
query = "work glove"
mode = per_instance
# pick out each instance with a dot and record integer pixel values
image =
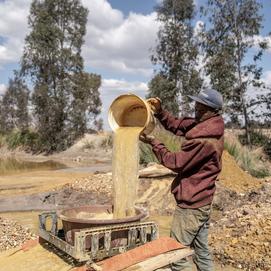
(155, 104)
(146, 138)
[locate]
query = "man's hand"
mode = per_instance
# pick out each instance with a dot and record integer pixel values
(155, 104)
(146, 138)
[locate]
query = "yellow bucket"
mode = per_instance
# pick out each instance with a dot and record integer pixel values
(129, 110)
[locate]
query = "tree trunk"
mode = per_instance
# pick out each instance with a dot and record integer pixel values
(240, 78)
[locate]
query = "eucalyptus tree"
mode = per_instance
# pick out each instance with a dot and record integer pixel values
(231, 38)
(64, 97)
(161, 87)
(14, 106)
(176, 53)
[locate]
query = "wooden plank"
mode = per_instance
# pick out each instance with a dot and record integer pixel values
(160, 260)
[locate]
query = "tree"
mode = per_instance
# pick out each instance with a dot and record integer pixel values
(227, 43)
(14, 106)
(99, 124)
(64, 96)
(86, 102)
(176, 51)
(157, 87)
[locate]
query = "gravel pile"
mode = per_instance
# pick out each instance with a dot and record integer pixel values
(12, 234)
(97, 183)
(242, 238)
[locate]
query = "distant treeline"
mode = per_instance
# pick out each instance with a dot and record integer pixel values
(51, 99)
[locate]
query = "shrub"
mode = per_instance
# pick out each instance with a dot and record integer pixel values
(107, 141)
(257, 138)
(172, 142)
(252, 160)
(233, 147)
(88, 144)
(146, 154)
(18, 138)
(2, 140)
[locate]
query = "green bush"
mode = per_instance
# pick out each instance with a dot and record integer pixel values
(252, 160)
(88, 144)
(172, 142)
(17, 138)
(264, 171)
(2, 140)
(107, 141)
(233, 147)
(257, 138)
(146, 154)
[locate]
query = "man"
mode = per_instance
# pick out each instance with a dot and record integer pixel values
(198, 164)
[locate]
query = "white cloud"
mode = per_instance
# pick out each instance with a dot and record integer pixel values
(2, 89)
(198, 28)
(112, 88)
(102, 15)
(112, 42)
(258, 39)
(13, 29)
(118, 44)
(267, 78)
(253, 92)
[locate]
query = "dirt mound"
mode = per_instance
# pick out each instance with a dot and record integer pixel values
(232, 176)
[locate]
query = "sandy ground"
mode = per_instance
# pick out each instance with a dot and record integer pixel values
(36, 182)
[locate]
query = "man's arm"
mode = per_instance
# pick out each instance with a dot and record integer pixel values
(190, 155)
(175, 125)
(178, 126)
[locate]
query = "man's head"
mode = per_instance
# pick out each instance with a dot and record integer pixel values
(204, 112)
(208, 104)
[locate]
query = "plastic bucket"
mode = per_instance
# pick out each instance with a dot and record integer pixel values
(132, 111)
(72, 222)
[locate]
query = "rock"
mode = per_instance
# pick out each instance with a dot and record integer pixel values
(247, 211)
(151, 164)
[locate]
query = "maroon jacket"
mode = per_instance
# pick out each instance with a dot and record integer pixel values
(197, 163)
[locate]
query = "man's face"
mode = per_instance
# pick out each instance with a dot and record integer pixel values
(204, 112)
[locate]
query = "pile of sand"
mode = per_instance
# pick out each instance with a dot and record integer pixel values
(234, 177)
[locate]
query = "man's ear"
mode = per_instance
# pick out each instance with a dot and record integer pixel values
(216, 112)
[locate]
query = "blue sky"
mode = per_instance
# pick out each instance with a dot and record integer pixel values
(119, 36)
